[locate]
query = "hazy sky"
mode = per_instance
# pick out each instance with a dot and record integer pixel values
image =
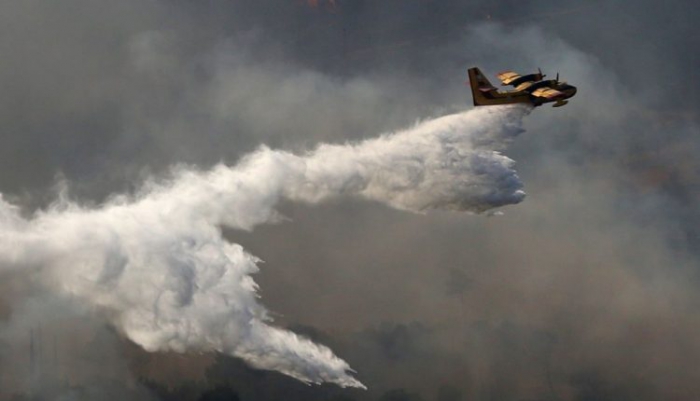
(587, 290)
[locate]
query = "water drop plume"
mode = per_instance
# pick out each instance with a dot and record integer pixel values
(156, 264)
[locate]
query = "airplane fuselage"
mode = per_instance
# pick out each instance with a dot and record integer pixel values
(535, 93)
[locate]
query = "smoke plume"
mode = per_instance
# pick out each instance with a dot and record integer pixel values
(156, 266)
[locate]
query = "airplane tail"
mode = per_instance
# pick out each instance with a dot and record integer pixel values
(480, 85)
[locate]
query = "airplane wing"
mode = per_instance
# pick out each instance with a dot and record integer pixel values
(524, 85)
(507, 77)
(547, 93)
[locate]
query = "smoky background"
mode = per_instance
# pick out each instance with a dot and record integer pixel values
(585, 291)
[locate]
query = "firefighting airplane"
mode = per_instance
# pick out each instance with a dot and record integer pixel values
(529, 88)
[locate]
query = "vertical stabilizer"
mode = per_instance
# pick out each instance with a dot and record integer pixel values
(479, 85)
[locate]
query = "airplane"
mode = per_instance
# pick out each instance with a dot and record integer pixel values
(530, 89)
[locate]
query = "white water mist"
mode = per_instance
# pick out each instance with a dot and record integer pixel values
(156, 264)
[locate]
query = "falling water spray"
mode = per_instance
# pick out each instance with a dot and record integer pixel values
(157, 266)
